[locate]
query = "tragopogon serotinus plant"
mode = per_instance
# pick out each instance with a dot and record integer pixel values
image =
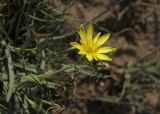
(92, 47)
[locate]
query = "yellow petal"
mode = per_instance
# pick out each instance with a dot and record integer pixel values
(96, 37)
(106, 49)
(76, 45)
(94, 55)
(90, 32)
(104, 57)
(83, 42)
(82, 32)
(89, 57)
(82, 52)
(102, 39)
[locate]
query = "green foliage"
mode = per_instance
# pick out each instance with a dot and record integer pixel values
(26, 51)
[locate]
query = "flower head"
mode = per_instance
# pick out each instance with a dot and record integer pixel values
(91, 46)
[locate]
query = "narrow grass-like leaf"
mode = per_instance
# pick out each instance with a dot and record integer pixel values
(43, 62)
(29, 67)
(31, 102)
(10, 74)
(84, 69)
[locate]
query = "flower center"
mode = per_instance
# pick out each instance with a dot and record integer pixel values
(89, 48)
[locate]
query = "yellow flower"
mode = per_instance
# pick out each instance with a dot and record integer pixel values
(92, 47)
